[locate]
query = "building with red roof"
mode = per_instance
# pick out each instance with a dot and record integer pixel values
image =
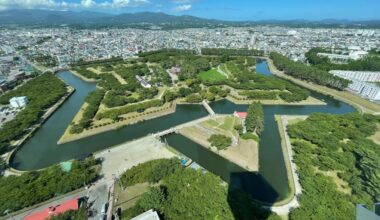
(72, 204)
(241, 115)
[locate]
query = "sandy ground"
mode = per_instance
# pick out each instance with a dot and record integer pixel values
(96, 70)
(118, 159)
(345, 96)
(76, 119)
(243, 152)
(118, 77)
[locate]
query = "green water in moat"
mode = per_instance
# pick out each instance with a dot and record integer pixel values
(269, 185)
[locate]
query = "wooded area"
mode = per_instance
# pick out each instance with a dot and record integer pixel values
(370, 62)
(42, 92)
(325, 143)
(309, 73)
(30, 188)
(193, 194)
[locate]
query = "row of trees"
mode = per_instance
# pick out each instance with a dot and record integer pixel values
(336, 144)
(93, 101)
(30, 188)
(42, 92)
(231, 52)
(112, 60)
(255, 118)
(308, 73)
(114, 114)
(191, 194)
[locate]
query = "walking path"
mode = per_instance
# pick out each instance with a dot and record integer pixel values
(222, 72)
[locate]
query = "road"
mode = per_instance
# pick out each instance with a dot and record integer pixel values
(98, 196)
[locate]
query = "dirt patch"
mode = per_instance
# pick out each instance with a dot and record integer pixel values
(342, 185)
(242, 152)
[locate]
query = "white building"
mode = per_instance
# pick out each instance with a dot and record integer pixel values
(148, 215)
(365, 89)
(142, 81)
(361, 82)
(358, 75)
(18, 102)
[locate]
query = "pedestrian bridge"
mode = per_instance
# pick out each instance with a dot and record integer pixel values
(208, 108)
(178, 127)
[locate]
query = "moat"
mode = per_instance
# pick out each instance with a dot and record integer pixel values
(270, 184)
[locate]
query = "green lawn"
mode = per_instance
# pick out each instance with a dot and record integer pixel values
(228, 124)
(211, 75)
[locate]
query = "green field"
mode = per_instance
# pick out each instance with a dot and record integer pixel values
(211, 75)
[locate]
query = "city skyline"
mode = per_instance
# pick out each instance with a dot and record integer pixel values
(222, 10)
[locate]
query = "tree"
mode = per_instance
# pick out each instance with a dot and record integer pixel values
(221, 142)
(194, 195)
(255, 118)
(154, 198)
(193, 98)
(325, 143)
(308, 73)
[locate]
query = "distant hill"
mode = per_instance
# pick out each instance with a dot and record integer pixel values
(88, 19)
(91, 19)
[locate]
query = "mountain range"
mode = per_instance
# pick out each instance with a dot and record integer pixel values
(88, 19)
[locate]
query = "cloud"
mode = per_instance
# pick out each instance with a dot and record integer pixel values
(27, 3)
(180, 1)
(59, 4)
(87, 3)
(181, 8)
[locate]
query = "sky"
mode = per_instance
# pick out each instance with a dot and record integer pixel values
(218, 9)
